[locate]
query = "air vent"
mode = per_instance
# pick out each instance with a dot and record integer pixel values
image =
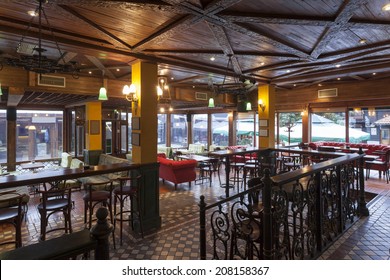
(325, 93)
(25, 48)
(200, 96)
(51, 81)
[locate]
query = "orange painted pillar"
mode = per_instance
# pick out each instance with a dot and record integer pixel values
(266, 95)
(93, 117)
(144, 77)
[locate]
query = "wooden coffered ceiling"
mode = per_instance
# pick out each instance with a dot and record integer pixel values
(287, 43)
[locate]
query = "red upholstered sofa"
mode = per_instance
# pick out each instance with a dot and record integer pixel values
(177, 171)
(371, 148)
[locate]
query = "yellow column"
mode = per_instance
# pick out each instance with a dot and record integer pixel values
(144, 77)
(266, 93)
(93, 117)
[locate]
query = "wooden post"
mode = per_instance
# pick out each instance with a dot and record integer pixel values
(267, 215)
(362, 206)
(202, 233)
(101, 231)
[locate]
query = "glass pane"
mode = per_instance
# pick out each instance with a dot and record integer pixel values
(108, 140)
(3, 136)
(162, 129)
(369, 125)
(38, 134)
(220, 129)
(179, 131)
(290, 127)
(129, 147)
(123, 138)
(199, 129)
(245, 129)
(328, 126)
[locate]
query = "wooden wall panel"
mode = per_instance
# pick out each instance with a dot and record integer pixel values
(350, 94)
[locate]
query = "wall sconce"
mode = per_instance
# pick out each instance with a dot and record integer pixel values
(371, 112)
(130, 93)
(261, 104)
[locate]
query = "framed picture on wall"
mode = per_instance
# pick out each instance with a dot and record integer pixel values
(135, 139)
(263, 132)
(263, 123)
(135, 123)
(94, 127)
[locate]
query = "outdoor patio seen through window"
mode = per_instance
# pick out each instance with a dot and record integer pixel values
(290, 127)
(179, 131)
(199, 129)
(328, 126)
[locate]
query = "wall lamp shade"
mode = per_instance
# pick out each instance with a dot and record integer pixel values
(211, 103)
(103, 94)
(130, 93)
(248, 106)
(261, 104)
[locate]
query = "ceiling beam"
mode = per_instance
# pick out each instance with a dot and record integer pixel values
(95, 26)
(100, 65)
(333, 31)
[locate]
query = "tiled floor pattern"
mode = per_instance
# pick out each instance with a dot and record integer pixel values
(178, 237)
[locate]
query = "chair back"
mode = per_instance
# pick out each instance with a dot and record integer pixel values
(65, 160)
(11, 198)
(51, 193)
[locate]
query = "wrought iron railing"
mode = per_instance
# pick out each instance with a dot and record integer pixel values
(301, 213)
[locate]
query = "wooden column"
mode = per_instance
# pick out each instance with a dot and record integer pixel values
(144, 77)
(11, 139)
(267, 94)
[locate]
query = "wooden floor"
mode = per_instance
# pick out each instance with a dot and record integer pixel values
(178, 237)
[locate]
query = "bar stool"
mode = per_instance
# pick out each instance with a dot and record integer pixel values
(236, 168)
(96, 193)
(129, 188)
(54, 200)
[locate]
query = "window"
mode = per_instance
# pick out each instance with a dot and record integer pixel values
(162, 129)
(328, 126)
(179, 131)
(290, 127)
(245, 129)
(3, 136)
(220, 129)
(129, 116)
(38, 134)
(199, 129)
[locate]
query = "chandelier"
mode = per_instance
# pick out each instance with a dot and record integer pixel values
(239, 86)
(164, 95)
(35, 60)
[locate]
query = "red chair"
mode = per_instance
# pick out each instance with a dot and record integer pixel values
(381, 165)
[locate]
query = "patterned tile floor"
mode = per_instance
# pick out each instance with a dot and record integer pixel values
(178, 237)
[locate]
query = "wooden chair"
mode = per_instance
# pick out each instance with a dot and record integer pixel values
(54, 200)
(129, 188)
(209, 168)
(11, 214)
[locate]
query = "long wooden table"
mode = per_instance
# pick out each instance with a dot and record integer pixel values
(55, 175)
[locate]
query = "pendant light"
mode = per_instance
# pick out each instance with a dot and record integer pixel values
(211, 102)
(103, 90)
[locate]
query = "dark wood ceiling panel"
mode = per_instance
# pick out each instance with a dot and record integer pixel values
(279, 42)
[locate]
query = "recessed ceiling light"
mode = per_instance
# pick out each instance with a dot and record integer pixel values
(374, 73)
(90, 72)
(32, 13)
(295, 85)
(338, 65)
(362, 41)
(386, 7)
(288, 71)
(338, 79)
(212, 58)
(262, 63)
(172, 78)
(320, 85)
(117, 70)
